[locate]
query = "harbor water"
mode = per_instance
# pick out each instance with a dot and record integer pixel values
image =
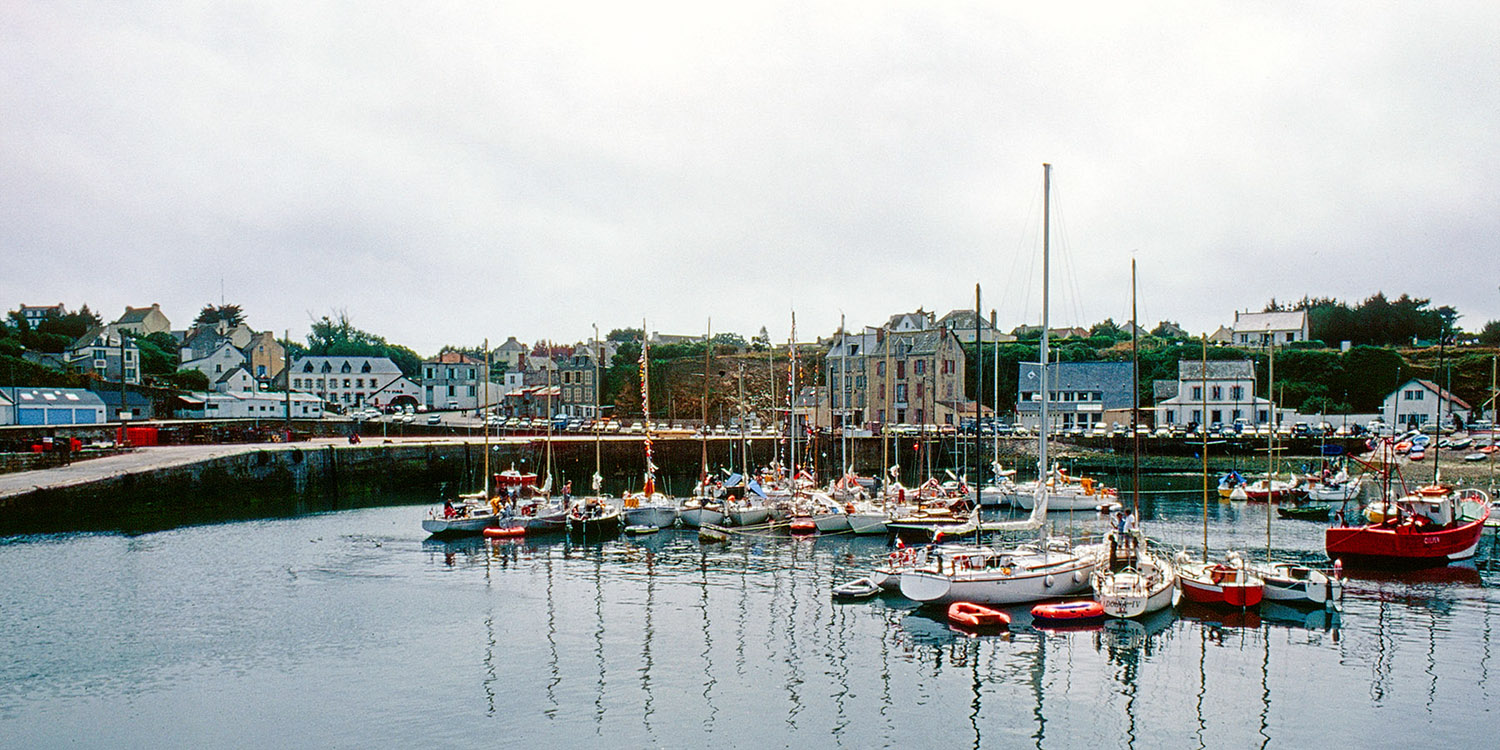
(349, 628)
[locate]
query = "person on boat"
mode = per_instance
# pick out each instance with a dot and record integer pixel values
(448, 511)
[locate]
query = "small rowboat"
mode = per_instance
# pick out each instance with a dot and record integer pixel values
(971, 615)
(1477, 456)
(641, 529)
(1068, 611)
(859, 588)
(505, 532)
(1303, 512)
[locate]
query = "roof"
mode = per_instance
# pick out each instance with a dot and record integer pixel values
(377, 365)
(1442, 394)
(137, 314)
(919, 320)
(963, 319)
(1263, 322)
(1223, 369)
(451, 357)
(511, 345)
(70, 397)
(911, 342)
(1104, 376)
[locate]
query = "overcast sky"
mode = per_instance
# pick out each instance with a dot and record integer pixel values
(449, 171)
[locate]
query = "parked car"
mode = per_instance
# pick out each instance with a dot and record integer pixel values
(434, 419)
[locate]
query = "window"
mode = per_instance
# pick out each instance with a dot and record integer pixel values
(346, 382)
(880, 369)
(901, 392)
(1237, 393)
(366, 367)
(1218, 393)
(307, 367)
(1197, 393)
(901, 368)
(346, 368)
(919, 367)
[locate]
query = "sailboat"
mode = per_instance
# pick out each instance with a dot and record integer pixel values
(706, 506)
(1288, 582)
(1048, 569)
(1225, 583)
(476, 511)
(1136, 581)
(648, 507)
(596, 517)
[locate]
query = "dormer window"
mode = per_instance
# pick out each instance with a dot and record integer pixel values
(347, 368)
(327, 367)
(366, 368)
(307, 367)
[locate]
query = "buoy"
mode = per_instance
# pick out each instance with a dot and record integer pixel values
(504, 532)
(803, 526)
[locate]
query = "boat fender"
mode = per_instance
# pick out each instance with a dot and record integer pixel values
(1077, 576)
(1049, 581)
(1005, 570)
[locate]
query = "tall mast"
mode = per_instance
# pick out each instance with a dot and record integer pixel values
(1135, 402)
(1271, 437)
(597, 481)
(708, 353)
(844, 392)
(650, 484)
(978, 399)
(1437, 433)
(885, 445)
(484, 414)
(791, 403)
(1041, 463)
(1203, 430)
(548, 481)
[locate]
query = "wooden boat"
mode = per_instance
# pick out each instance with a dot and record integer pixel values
(859, 588)
(1432, 526)
(1289, 583)
(1068, 611)
(594, 519)
(971, 615)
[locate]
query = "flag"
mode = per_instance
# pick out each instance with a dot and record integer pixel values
(900, 544)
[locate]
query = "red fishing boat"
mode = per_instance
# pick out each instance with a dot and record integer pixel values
(1432, 526)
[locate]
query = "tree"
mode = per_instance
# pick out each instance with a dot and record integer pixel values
(336, 336)
(1490, 334)
(230, 315)
(622, 335)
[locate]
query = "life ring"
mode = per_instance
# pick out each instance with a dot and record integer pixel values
(1219, 573)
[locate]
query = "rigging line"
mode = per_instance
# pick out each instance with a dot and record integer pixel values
(1065, 253)
(1025, 249)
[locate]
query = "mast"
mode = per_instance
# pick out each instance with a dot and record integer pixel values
(484, 414)
(744, 446)
(978, 400)
(1041, 463)
(597, 481)
(995, 394)
(1203, 430)
(844, 392)
(649, 488)
(548, 481)
(1437, 433)
(1135, 402)
(708, 353)
(791, 403)
(1271, 437)
(885, 419)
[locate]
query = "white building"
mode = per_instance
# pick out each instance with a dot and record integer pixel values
(451, 381)
(220, 366)
(1218, 392)
(345, 381)
(253, 405)
(1265, 329)
(1418, 402)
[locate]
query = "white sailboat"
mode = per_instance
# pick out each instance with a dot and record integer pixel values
(648, 507)
(1048, 569)
(1135, 581)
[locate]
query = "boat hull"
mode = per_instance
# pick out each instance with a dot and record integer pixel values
(749, 516)
(660, 516)
(457, 526)
(1198, 586)
(1296, 584)
(696, 517)
(868, 523)
(1123, 597)
(831, 523)
(995, 587)
(1403, 544)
